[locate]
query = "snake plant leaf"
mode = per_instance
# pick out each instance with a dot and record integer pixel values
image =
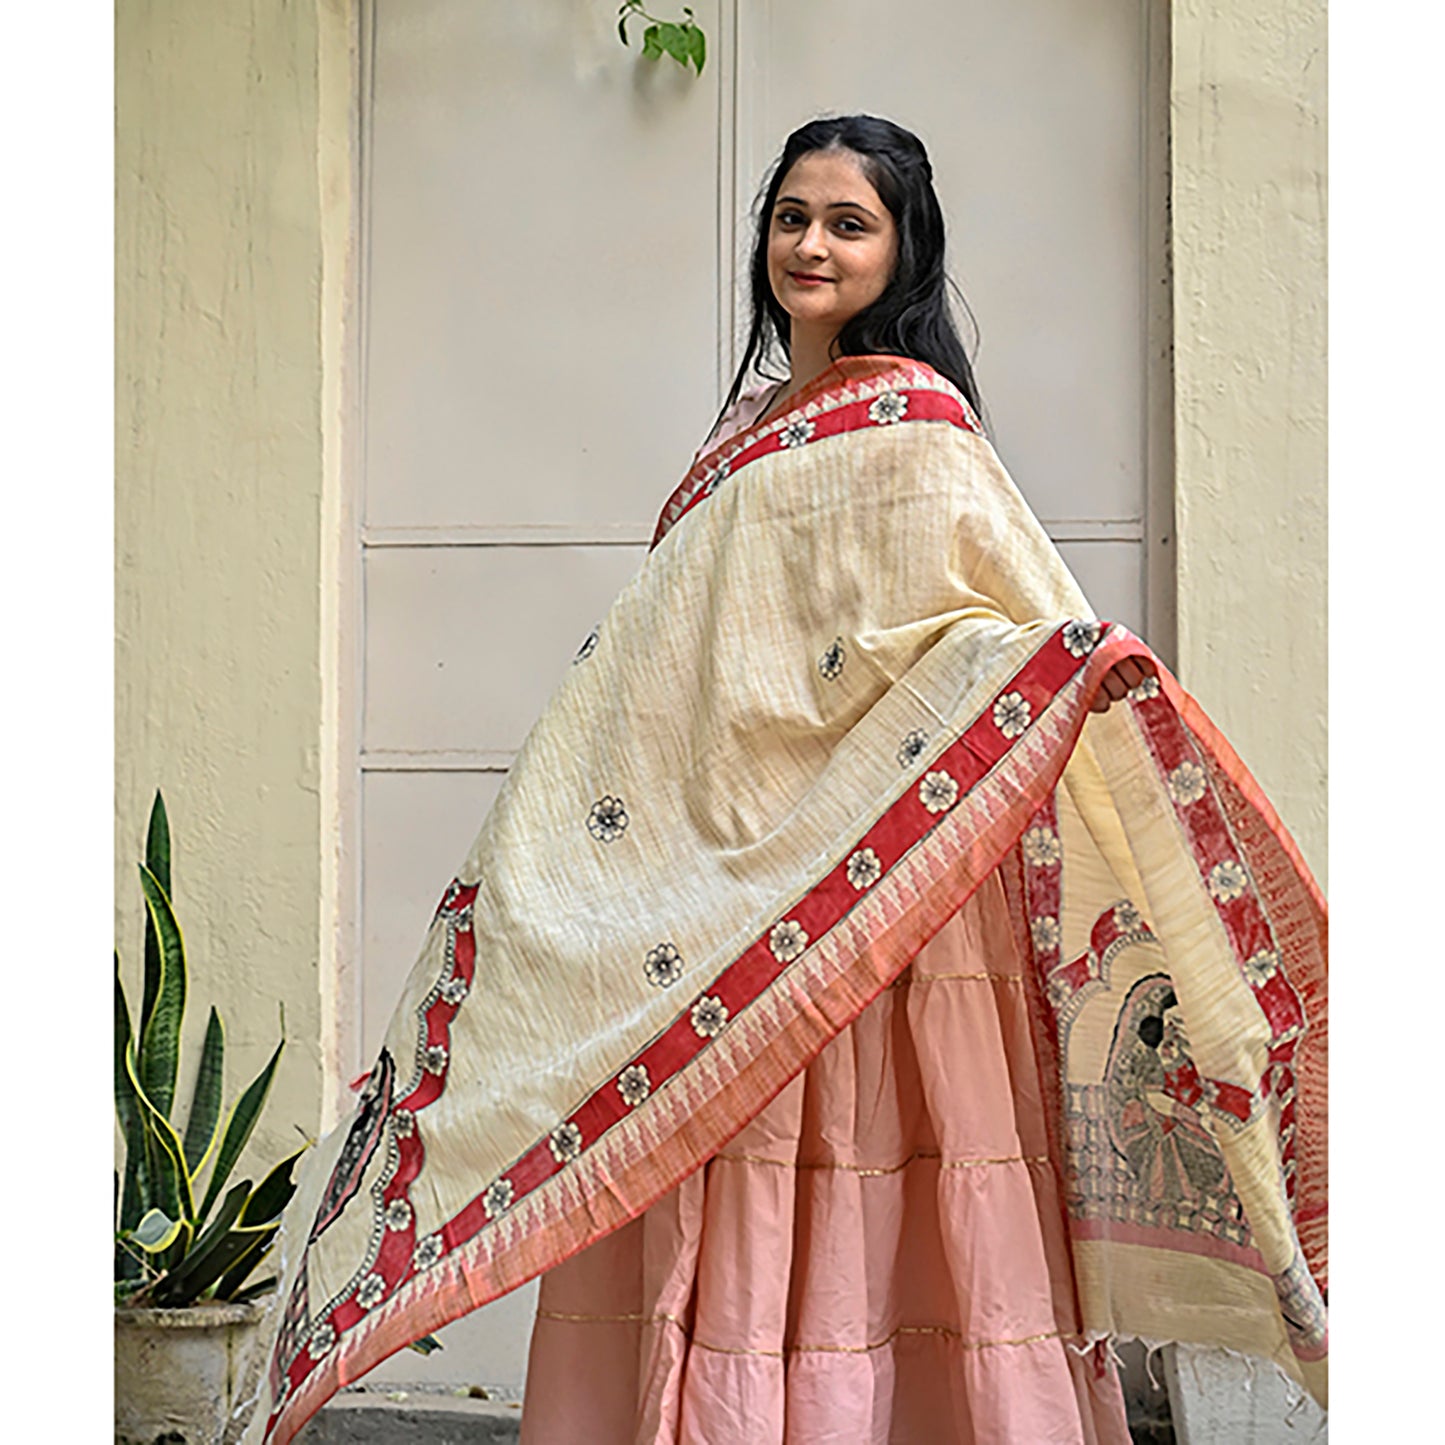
(156, 1232)
(127, 1109)
(202, 1123)
(171, 1185)
(228, 1287)
(200, 1272)
(238, 1128)
(180, 1285)
(273, 1193)
(252, 1290)
(158, 860)
(160, 1044)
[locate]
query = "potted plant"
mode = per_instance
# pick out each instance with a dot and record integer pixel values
(188, 1247)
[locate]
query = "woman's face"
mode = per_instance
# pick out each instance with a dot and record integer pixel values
(831, 242)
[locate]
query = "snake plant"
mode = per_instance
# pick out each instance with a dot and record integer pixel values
(179, 1243)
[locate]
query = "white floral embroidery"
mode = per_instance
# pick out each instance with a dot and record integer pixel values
(1228, 880)
(911, 748)
(1187, 783)
(403, 1121)
(434, 1058)
(787, 940)
(608, 819)
(565, 1142)
(454, 990)
(634, 1085)
(1059, 991)
(1081, 638)
(708, 1017)
(322, 1341)
(663, 965)
(1262, 967)
(589, 646)
(831, 662)
(498, 1198)
(864, 869)
(1042, 848)
(888, 408)
(398, 1214)
(1011, 714)
(716, 478)
(427, 1252)
(371, 1291)
(1126, 917)
(1046, 933)
(796, 433)
(1145, 690)
(938, 792)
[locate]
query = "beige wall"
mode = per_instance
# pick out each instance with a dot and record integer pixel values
(221, 467)
(232, 225)
(1249, 307)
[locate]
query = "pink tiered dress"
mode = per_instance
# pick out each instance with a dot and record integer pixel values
(879, 1258)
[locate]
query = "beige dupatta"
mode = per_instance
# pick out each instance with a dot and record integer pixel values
(851, 680)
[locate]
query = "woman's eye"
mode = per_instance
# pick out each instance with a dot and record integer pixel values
(851, 227)
(789, 218)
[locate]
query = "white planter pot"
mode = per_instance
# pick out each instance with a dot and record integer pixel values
(178, 1373)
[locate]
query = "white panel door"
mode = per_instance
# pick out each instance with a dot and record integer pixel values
(550, 241)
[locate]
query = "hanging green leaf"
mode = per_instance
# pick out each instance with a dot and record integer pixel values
(160, 1045)
(272, 1194)
(155, 1232)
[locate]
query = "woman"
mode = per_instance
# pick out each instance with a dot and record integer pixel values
(795, 997)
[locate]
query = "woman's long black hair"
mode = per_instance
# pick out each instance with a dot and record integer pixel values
(912, 317)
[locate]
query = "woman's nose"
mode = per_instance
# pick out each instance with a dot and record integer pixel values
(813, 241)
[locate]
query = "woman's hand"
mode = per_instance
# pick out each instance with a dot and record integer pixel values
(1121, 679)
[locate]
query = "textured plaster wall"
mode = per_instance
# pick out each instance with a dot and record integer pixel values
(1249, 161)
(219, 477)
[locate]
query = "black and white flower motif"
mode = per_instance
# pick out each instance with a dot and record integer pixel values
(434, 1058)
(796, 433)
(1041, 847)
(1187, 783)
(1227, 880)
(498, 1198)
(864, 869)
(1059, 992)
(398, 1214)
(1126, 917)
(589, 646)
(708, 1017)
(566, 1142)
(663, 965)
(608, 820)
(371, 1291)
(634, 1085)
(911, 748)
(1046, 933)
(1011, 714)
(1262, 967)
(454, 990)
(1145, 690)
(715, 478)
(427, 1252)
(787, 940)
(1081, 638)
(831, 662)
(888, 408)
(322, 1341)
(403, 1122)
(938, 791)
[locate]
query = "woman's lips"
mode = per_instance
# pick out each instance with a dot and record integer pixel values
(803, 278)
